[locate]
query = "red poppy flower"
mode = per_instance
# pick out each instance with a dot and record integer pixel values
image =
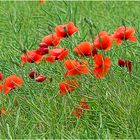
(101, 66)
(85, 49)
(10, 83)
(31, 57)
(1, 76)
(67, 86)
(42, 51)
(57, 54)
(103, 41)
(124, 33)
(66, 29)
(51, 40)
(74, 67)
(36, 76)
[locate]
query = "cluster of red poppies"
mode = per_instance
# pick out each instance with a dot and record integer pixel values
(50, 47)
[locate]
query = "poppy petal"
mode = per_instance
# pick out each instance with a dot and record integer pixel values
(63, 55)
(50, 59)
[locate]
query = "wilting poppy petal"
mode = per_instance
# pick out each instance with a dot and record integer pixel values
(40, 78)
(67, 86)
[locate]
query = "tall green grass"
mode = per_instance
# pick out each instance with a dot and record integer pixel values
(37, 110)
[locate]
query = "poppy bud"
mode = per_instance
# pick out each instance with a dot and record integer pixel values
(32, 74)
(43, 45)
(128, 64)
(121, 62)
(40, 78)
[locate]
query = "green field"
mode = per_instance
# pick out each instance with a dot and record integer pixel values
(36, 110)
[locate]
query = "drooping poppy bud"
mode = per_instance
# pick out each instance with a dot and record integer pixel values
(128, 64)
(121, 62)
(32, 74)
(36, 76)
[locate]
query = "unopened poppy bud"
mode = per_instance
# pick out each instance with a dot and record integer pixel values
(32, 74)
(121, 62)
(128, 64)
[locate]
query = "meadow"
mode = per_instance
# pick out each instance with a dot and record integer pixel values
(36, 109)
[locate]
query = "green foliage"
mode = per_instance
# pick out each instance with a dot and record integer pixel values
(37, 110)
